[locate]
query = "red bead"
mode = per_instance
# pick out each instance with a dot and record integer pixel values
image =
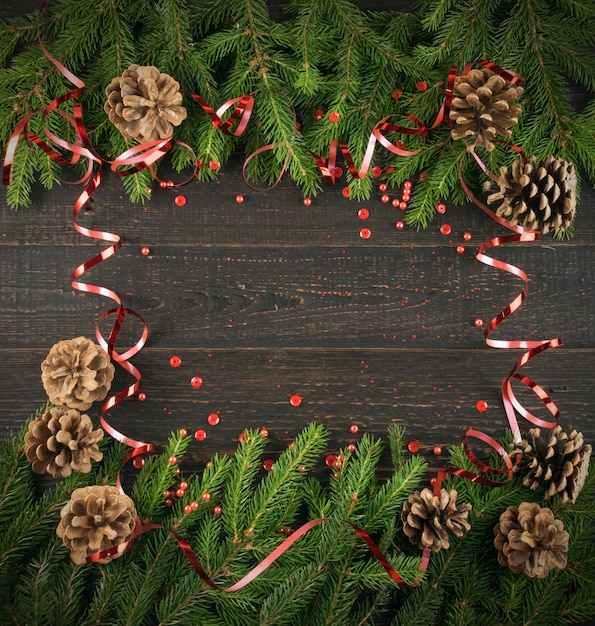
(194, 505)
(460, 249)
(382, 187)
(446, 229)
(264, 432)
(351, 447)
(168, 502)
(338, 172)
(397, 93)
(268, 464)
(407, 184)
(214, 165)
(402, 205)
(145, 251)
(376, 172)
(301, 469)
(138, 462)
(162, 184)
(365, 233)
(180, 200)
(345, 192)
(363, 214)
(183, 485)
(172, 460)
(217, 510)
(307, 201)
(384, 198)
(433, 481)
(437, 450)
(179, 493)
(183, 432)
(175, 361)
(243, 438)
(478, 322)
(441, 208)
(467, 236)
(421, 85)
(295, 400)
(400, 225)
(169, 184)
(239, 199)
(481, 406)
(200, 435)
(334, 116)
(354, 428)
(187, 509)
(206, 496)
(396, 203)
(330, 460)
(213, 419)
(318, 114)
(196, 382)
(413, 446)
(406, 196)
(142, 396)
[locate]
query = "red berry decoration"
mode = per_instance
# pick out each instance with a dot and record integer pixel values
(217, 510)
(196, 382)
(330, 460)
(145, 251)
(206, 496)
(213, 419)
(268, 464)
(376, 172)
(175, 361)
(413, 446)
(138, 462)
(200, 435)
(318, 114)
(307, 201)
(194, 505)
(334, 117)
(441, 208)
(187, 509)
(351, 447)
(264, 432)
(179, 493)
(180, 200)
(363, 214)
(295, 400)
(142, 396)
(421, 85)
(239, 199)
(384, 198)
(396, 94)
(478, 322)
(354, 428)
(481, 406)
(183, 485)
(467, 236)
(400, 225)
(214, 165)
(437, 450)
(183, 432)
(172, 460)
(446, 229)
(382, 187)
(365, 233)
(460, 249)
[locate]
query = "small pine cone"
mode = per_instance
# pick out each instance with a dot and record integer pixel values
(530, 540)
(76, 373)
(62, 441)
(483, 107)
(144, 104)
(96, 518)
(427, 519)
(537, 196)
(558, 462)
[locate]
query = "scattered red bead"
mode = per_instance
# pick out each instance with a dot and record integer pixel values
(175, 361)
(213, 419)
(180, 200)
(345, 192)
(351, 447)
(460, 249)
(376, 172)
(330, 460)
(402, 205)
(363, 214)
(441, 208)
(295, 400)
(187, 509)
(183, 485)
(437, 450)
(396, 203)
(446, 229)
(172, 460)
(334, 116)
(179, 493)
(138, 462)
(194, 505)
(338, 172)
(478, 322)
(421, 85)
(467, 236)
(239, 199)
(142, 396)
(145, 251)
(365, 233)
(413, 446)
(264, 432)
(214, 165)
(354, 428)
(243, 438)
(433, 481)
(206, 496)
(400, 225)
(217, 510)
(200, 435)
(382, 187)
(183, 432)
(318, 114)
(196, 382)
(168, 502)
(307, 201)
(407, 184)
(268, 464)
(481, 406)
(384, 198)
(397, 93)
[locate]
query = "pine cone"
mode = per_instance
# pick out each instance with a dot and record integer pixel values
(428, 518)
(144, 104)
(96, 518)
(482, 107)
(529, 540)
(76, 372)
(537, 196)
(61, 441)
(557, 462)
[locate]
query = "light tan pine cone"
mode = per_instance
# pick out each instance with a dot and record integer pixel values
(62, 441)
(483, 107)
(538, 196)
(428, 519)
(557, 462)
(530, 540)
(96, 518)
(76, 373)
(144, 103)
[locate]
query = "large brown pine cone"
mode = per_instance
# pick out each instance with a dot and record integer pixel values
(96, 518)
(530, 540)
(62, 441)
(557, 462)
(483, 107)
(428, 519)
(76, 373)
(144, 103)
(538, 196)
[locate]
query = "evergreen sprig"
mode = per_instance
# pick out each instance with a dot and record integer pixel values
(326, 55)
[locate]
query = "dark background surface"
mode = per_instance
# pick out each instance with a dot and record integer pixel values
(271, 298)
